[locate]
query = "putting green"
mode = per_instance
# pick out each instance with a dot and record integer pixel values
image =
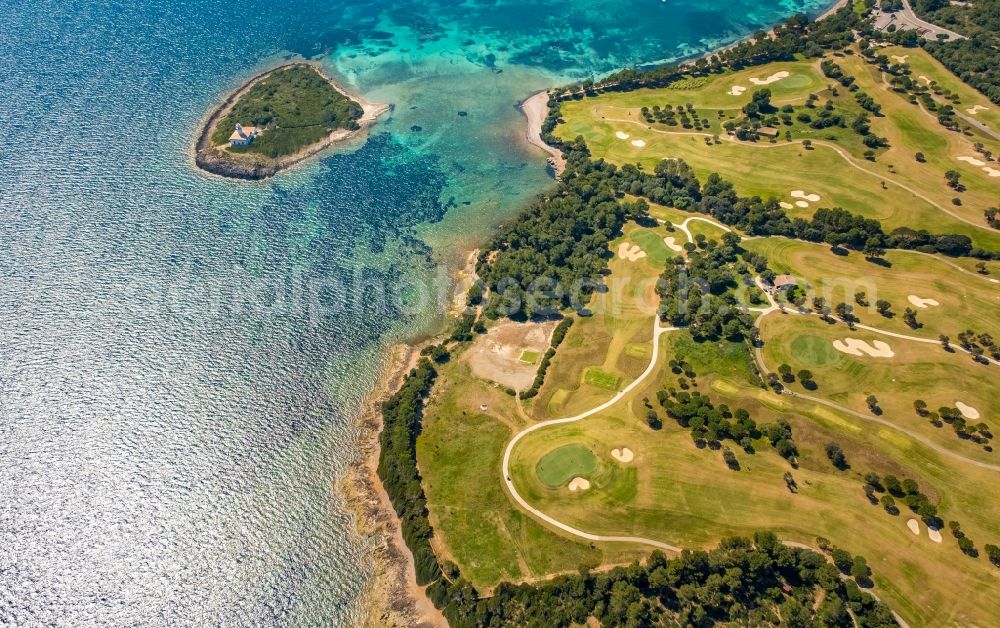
(557, 467)
(814, 351)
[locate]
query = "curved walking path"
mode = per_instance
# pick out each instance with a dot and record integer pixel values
(875, 330)
(657, 332)
(684, 226)
(843, 154)
(759, 357)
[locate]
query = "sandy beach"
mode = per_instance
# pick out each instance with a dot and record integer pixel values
(536, 108)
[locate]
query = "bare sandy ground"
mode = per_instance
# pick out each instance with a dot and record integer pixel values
(916, 301)
(496, 355)
(622, 455)
(853, 346)
(535, 109)
(672, 244)
(967, 411)
(630, 252)
(579, 484)
(972, 160)
(777, 76)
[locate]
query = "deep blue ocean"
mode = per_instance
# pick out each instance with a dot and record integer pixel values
(182, 357)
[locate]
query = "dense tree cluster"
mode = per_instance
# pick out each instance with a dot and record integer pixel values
(552, 256)
(697, 293)
(796, 36)
(397, 466)
(711, 424)
(907, 490)
(557, 337)
(743, 582)
(973, 59)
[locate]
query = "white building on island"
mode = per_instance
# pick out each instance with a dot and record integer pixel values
(242, 136)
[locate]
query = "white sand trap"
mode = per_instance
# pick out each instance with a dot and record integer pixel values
(622, 455)
(974, 110)
(737, 90)
(914, 526)
(672, 244)
(621, 136)
(802, 203)
(630, 252)
(777, 76)
(972, 160)
(967, 411)
(813, 198)
(993, 172)
(638, 143)
(578, 484)
(785, 205)
(900, 58)
(935, 534)
(921, 303)
(924, 79)
(853, 346)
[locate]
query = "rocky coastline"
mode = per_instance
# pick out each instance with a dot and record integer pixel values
(251, 167)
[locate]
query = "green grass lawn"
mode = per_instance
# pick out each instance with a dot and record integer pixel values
(651, 241)
(529, 357)
(559, 466)
(294, 107)
(895, 189)
(602, 379)
(964, 301)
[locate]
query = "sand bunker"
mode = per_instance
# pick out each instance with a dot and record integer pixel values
(737, 90)
(785, 205)
(622, 455)
(578, 484)
(967, 411)
(621, 136)
(972, 160)
(802, 204)
(630, 252)
(924, 79)
(672, 244)
(900, 58)
(921, 303)
(993, 172)
(853, 346)
(974, 110)
(914, 526)
(935, 534)
(812, 198)
(638, 143)
(777, 76)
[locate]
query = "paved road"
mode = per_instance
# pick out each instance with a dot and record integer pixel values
(906, 19)
(657, 332)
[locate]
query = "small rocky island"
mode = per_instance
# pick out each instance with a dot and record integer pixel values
(278, 119)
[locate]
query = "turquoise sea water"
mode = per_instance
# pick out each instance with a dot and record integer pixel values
(181, 356)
